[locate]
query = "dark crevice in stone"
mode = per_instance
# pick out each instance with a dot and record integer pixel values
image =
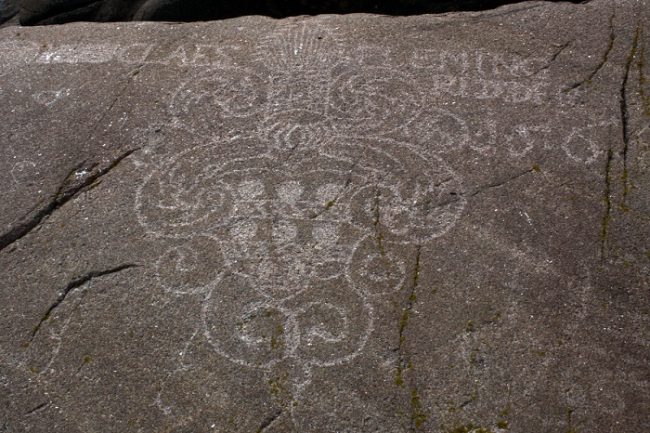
(50, 12)
(501, 182)
(38, 408)
(645, 98)
(70, 187)
(604, 58)
(402, 358)
(269, 421)
(74, 284)
(377, 221)
(417, 416)
(560, 49)
(625, 116)
(331, 203)
(604, 226)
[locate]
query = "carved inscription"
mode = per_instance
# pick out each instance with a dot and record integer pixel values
(286, 227)
(302, 213)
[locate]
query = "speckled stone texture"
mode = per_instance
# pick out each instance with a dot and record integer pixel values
(355, 223)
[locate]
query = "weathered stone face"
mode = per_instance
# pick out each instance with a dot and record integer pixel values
(339, 223)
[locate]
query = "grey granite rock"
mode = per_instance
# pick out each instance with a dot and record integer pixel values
(329, 224)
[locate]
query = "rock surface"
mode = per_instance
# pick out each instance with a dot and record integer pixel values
(339, 223)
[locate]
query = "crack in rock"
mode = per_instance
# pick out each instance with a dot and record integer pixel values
(603, 60)
(269, 421)
(625, 115)
(37, 409)
(417, 415)
(377, 222)
(74, 284)
(560, 49)
(501, 182)
(67, 191)
(604, 227)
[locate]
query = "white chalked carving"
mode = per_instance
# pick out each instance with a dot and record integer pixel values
(310, 204)
(379, 98)
(482, 75)
(220, 93)
(288, 130)
(306, 212)
(22, 171)
(324, 324)
(15, 53)
(413, 200)
(189, 267)
(196, 55)
(298, 47)
(182, 197)
(440, 128)
(297, 58)
(525, 138)
(49, 97)
(373, 271)
(299, 235)
(85, 53)
(443, 61)
(582, 144)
